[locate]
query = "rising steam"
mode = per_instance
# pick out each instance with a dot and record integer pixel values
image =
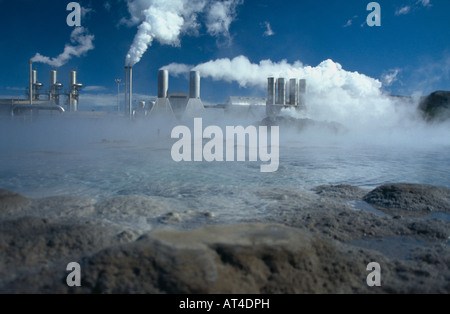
(333, 93)
(80, 36)
(167, 20)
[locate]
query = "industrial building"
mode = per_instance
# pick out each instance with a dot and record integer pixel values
(38, 101)
(282, 93)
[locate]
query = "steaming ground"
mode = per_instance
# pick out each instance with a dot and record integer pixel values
(105, 192)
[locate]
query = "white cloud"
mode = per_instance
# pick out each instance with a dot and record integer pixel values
(349, 23)
(406, 9)
(269, 32)
(425, 3)
(390, 77)
(403, 11)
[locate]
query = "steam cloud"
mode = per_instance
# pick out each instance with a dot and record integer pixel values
(167, 20)
(333, 93)
(80, 36)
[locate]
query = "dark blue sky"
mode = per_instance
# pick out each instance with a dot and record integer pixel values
(412, 45)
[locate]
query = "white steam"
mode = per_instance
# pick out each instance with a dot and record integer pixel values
(334, 94)
(167, 20)
(80, 36)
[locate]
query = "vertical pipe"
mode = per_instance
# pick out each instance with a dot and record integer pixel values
(293, 92)
(31, 82)
(126, 90)
(271, 90)
(282, 91)
(130, 107)
(194, 85)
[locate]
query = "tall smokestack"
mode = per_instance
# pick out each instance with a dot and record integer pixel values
(282, 91)
(163, 83)
(302, 96)
(271, 90)
(293, 92)
(194, 85)
(130, 105)
(126, 90)
(31, 82)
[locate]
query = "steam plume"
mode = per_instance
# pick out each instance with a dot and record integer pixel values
(167, 20)
(80, 36)
(333, 93)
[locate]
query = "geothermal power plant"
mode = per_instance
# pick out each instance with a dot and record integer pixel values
(281, 93)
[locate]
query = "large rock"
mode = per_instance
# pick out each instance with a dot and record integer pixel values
(252, 258)
(436, 106)
(410, 199)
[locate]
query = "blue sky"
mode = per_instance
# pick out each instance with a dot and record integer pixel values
(409, 52)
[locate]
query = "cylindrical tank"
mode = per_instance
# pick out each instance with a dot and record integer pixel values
(163, 83)
(293, 92)
(52, 78)
(281, 91)
(194, 85)
(271, 90)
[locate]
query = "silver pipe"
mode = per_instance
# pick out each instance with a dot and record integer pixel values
(31, 82)
(37, 107)
(130, 107)
(126, 90)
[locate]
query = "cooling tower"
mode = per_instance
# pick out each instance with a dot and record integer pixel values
(194, 107)
(162, 106)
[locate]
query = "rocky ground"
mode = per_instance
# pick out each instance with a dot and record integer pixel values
(318, 241)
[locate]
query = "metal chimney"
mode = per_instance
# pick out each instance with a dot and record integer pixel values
(282, 91)
(271, 90)
(194, 85)
(130, 94)
(31, 82)
(126, 90)
(163, 83)
(293, 92)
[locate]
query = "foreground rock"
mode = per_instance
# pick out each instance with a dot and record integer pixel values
(306, 242)
(410, 199)
(436, 106)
